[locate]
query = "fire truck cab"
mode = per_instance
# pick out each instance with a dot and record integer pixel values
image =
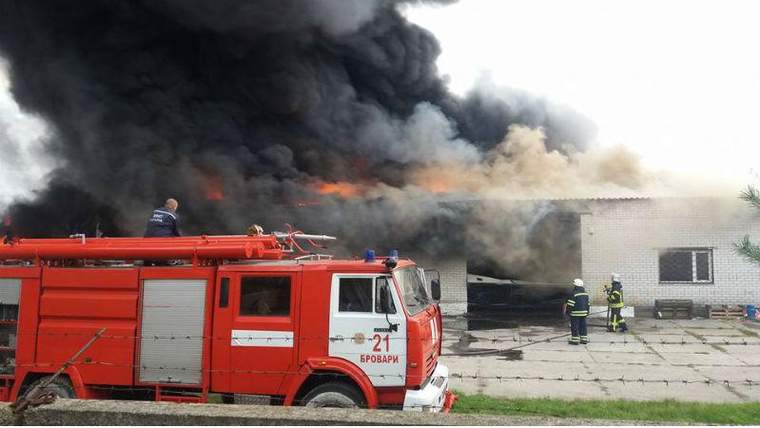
(237, 318)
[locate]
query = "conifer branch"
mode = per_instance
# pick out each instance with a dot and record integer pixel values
(752, 195)
(747, 249)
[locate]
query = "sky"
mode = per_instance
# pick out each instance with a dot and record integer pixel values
(677, 82)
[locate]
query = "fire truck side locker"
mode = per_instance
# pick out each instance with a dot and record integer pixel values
(174, 327)
(10, 289)
(24, 353)
(9, 296)
(74, 303)
(171, 331)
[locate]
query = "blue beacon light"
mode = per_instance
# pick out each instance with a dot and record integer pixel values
(392, 259)
(369, 256)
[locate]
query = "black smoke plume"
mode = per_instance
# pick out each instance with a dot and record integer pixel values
(241, 109)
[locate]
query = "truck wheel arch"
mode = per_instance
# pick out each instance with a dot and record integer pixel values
(71, 374)
(337, 367)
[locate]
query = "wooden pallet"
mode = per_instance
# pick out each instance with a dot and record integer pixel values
(725, 312)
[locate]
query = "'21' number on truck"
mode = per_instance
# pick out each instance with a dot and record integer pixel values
(378, 341)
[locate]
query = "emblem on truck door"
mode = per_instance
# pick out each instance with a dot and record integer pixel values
(358, 338)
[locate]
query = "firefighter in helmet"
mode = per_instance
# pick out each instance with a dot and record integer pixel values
(163, 221)
(577, 307)
(7, 230)
(615, 305)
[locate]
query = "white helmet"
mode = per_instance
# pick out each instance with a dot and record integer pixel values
(615, 277)
(578, 282)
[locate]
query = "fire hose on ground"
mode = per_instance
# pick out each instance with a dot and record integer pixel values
(499, 351)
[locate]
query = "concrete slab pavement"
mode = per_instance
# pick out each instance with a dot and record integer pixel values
(668, 338)
(557, 356)
(749, 359)
(709, 359)
(678, 349)
(683, 368)
(680, 392)
(719, 332)
(635, 358)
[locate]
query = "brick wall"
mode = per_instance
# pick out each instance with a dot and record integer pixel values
(625, 236)
(453, 281)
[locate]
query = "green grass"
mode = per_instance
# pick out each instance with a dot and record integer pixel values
(659, 411)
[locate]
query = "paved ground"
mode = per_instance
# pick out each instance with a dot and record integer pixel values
(688, 360)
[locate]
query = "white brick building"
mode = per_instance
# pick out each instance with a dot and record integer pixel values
(453, 274)
(670, 249)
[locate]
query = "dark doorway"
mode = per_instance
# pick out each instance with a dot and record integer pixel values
(532, 287)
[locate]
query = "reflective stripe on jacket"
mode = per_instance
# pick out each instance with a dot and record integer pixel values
(615, 299)
(578, 305)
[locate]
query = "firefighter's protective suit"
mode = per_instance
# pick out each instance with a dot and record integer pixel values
(615, 304)
(577, 308)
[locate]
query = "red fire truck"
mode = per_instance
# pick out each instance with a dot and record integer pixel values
(238, 316)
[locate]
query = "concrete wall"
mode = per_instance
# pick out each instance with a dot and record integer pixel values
(453, 282)
(625, 236)
(96, 412)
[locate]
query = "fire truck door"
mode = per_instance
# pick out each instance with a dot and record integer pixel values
(263, 330)
(361, 333)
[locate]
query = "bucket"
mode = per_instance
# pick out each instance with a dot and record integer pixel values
(751, 312)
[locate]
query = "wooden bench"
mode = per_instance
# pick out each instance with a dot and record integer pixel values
(673, 309)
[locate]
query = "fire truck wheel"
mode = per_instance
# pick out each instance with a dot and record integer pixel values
(61, 387)
(334, 394)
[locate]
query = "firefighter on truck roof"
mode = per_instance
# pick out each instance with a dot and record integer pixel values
(7, 230)
(577, 308)
(163, 221)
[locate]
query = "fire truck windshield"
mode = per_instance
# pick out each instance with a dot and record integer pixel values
(413, 289)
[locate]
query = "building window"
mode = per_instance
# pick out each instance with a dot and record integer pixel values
(686, 265)
(355, 295)
(265, 296)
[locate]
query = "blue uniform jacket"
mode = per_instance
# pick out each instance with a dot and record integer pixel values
(162, 223)
(578, 305)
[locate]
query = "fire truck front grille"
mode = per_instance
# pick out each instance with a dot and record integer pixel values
(430, 363)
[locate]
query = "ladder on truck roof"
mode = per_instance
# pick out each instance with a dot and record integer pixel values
(204, 249)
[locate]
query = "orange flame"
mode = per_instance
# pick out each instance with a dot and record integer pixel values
(436, 186)
(214, 188)
(434, 182)
(448, 179)
(340, 188)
